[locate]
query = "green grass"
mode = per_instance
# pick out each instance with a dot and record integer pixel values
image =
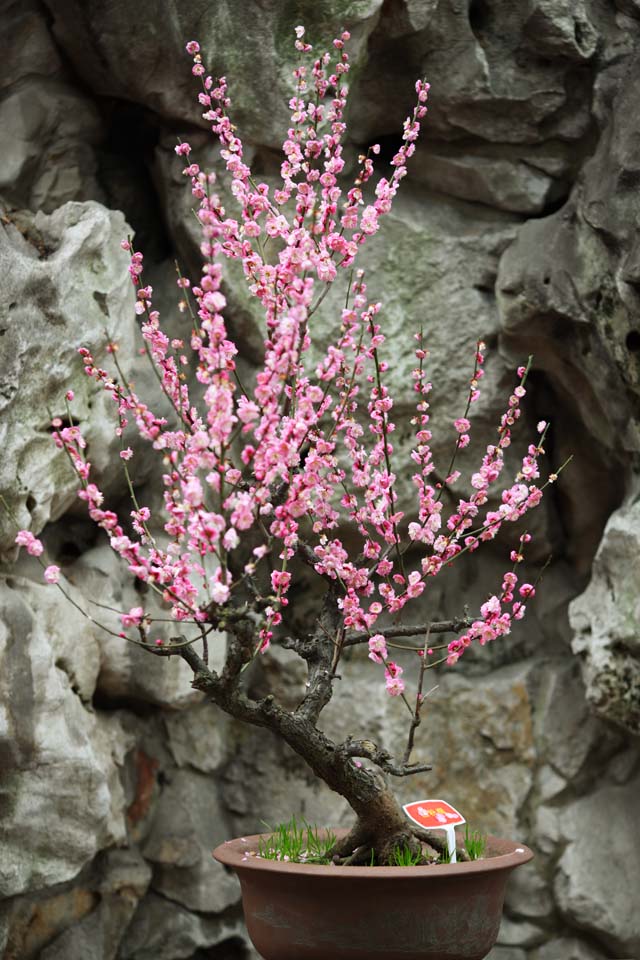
(475, 843)
(297, 843)
(403, 856)
(444, 856)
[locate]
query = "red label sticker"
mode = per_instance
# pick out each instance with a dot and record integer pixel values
(433, 814)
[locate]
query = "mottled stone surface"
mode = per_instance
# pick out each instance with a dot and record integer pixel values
(48, 128)
(65, 283)
(606, 621)
(585, 878)
(62, 795)
(518, 224)
(567, 948)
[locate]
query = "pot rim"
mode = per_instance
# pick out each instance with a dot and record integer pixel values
(510, 854)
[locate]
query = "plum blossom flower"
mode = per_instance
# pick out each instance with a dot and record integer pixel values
(52, 573)
(377, 648)
(26, 539)
(133, 618)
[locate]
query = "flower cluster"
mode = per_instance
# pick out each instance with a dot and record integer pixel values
(310, 444)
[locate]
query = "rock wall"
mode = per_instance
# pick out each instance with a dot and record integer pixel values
(517, 223)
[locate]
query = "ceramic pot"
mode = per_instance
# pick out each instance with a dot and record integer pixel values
(299, 911)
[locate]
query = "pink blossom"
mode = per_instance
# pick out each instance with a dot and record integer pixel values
(133, 618)
(377, 648)
(394, 685)
(280, 580)
(25, 538)
(220, 592)
(52, 574)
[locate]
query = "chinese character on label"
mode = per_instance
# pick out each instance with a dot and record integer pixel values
(436, 815)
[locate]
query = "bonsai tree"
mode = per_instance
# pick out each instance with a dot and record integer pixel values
(261, 477)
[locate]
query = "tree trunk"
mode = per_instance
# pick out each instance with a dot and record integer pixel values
(381, 824)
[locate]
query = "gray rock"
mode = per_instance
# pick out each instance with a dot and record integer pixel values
(253, 45)
(158, 933)
(506, 953)
(200, 737)
(502, 183)
(188, 824)
(98, 935)
(28, 924)
(47, 134)
(606, 621)
(501, 90)
(61, 788)
(529, 891)
(598, 874)
(562, 28)
(567, 948)
(570, 281)
(519, 933)
(569, 736)
(265, 784)
(48, 129)
(65, 280)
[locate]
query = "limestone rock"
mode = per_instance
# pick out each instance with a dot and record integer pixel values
(567, 286)
(585, 879)
(28, 924)
(528, 893)
(65, 280)
(252, 44)
(503, 88)
(606, 621)
(567, 948)
(61, 786)
(502, 182)
(507, 953)
(48, 129)
(562, 28)
(200, 737)
(189, 823)
(562, 705)
(47, 132)
(124, 881)
(158, 933)
(267, 783)
(519, 934)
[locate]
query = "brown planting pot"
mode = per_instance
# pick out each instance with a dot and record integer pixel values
(296, 911)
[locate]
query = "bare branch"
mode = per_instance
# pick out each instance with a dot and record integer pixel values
(416, 720)
(412, 630)
(382, 758)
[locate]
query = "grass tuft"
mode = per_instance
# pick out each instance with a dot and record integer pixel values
(475, 843)
(403, 856)
(297, 843)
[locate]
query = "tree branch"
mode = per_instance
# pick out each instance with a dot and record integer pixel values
(382, 758)
(320, 656)
(412, 630)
